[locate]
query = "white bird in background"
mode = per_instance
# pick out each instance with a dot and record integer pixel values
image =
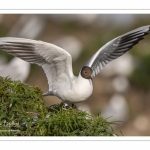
(17, 69)
(117, 108)
(28, 26)
(57, 63)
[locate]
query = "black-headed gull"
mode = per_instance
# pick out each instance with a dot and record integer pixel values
(57, 63)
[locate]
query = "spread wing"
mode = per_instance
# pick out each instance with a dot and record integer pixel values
(56, 62)
(116, 48)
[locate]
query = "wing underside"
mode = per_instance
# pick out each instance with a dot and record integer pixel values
(116, 48)
(55, 61)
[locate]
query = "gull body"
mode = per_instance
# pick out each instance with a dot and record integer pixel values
(81, 89)
(57, 63)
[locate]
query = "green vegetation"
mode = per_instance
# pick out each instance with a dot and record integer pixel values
(23, 114)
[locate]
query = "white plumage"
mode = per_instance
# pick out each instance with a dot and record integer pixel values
(16, 69)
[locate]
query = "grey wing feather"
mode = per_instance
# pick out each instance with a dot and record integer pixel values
(55, 61)
(116, 48)
(22, 48)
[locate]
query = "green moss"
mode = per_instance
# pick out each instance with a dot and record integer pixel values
(23, 114)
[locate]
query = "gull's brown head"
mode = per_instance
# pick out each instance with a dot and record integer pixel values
(86, 72)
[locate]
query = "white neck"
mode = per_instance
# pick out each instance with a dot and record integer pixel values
(81, 89)
(83, 84)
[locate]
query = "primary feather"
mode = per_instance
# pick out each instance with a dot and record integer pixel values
(116, 48)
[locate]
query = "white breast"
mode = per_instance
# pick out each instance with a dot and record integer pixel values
(80, 91)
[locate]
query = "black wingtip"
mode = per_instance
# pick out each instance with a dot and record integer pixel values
(128, 40)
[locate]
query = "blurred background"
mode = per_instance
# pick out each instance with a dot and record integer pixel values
(121, 90)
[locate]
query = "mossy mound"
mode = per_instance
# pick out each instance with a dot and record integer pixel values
(22, 113)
